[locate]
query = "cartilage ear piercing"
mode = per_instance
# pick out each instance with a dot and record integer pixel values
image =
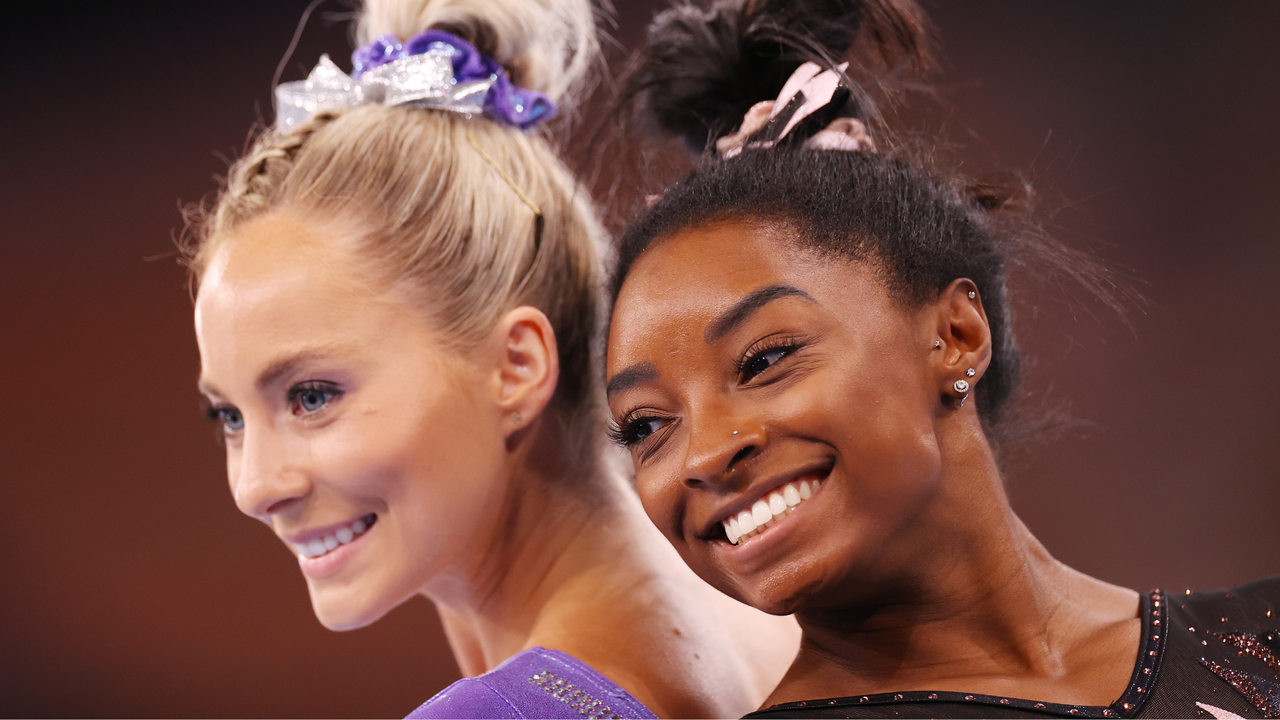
(972, 294)
(970, 372)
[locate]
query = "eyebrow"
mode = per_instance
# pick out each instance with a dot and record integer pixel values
(730, 319)
(277, 369)
(284, 365)
(630, 377)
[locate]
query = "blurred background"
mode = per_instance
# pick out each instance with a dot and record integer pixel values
(131, 586)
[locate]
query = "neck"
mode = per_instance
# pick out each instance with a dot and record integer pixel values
(579, 568)
(972, 595)
(552, 536)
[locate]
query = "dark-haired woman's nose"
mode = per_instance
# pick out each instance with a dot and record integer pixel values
(720, 446)
(263, 479)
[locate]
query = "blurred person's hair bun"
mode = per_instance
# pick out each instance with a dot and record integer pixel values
(704, 66)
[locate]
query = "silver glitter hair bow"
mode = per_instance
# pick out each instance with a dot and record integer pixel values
(435, 69)
(422, 80)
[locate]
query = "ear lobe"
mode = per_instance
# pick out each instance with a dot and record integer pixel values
(528, 366)
(965, 338)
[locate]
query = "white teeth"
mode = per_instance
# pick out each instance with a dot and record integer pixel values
(791, 495)
(776, 504)
(768, 510)
(729, 533)
(760, 513)
(329, 543)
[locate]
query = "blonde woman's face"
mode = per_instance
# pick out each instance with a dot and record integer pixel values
(366, 447)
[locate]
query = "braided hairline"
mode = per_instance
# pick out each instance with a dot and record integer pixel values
(248, 188)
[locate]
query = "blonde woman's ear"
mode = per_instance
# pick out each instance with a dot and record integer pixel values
(526, 366)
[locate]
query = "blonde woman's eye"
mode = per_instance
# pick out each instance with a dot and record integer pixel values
(311, 398)
(228, 418)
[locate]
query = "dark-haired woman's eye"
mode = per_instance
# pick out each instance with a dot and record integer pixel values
(309, 398)
(633, 431)
(756, 363)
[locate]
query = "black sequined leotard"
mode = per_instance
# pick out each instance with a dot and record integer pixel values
(1205, 654)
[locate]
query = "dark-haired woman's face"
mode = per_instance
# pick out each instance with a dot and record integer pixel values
(780, 399)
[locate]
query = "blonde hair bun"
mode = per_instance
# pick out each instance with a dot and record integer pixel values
(544, 45)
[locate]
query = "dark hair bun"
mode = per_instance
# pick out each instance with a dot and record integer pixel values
(703, 68)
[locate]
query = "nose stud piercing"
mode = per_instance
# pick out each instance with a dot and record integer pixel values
(937, 344)
(735, 432)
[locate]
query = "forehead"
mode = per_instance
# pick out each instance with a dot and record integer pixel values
(280, 282)
(700, 272)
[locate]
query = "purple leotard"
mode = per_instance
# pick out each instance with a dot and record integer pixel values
(536, 683)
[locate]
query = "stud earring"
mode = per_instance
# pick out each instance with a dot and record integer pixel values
(937, 344)
(735, 432)
(517, 418)
(962, 387)
(972, 294)
(970, 372)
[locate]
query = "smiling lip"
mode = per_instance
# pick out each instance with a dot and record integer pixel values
(319, 542)
(760, 508)
(335, 548)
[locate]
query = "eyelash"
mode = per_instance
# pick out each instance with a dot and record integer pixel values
(312, 386)
(626, 432)
(219, 414)
(788, 345)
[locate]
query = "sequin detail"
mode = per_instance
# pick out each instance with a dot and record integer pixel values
(1263, 694)
(569, 694)
(1265, 648)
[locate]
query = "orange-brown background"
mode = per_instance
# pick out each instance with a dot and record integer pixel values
(130, 585)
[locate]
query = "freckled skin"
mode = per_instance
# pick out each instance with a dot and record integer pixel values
(908, 569)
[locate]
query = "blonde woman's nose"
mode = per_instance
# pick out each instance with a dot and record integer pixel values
(264, 480)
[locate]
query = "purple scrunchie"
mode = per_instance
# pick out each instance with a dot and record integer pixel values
(505, 102)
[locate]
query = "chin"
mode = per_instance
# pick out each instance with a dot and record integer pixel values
(346, 613)
(784, 590)
(786, 601)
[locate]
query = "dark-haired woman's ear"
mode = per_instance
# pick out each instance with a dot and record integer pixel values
(962, 349)
(526, 367)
